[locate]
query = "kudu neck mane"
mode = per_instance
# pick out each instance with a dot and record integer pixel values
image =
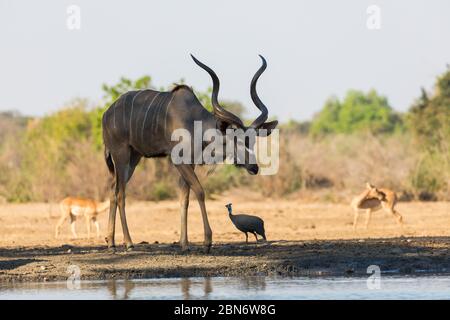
(181, 86)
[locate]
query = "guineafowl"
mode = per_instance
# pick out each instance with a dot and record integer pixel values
(247, 223)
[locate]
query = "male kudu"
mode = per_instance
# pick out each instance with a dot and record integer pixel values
(140, 124)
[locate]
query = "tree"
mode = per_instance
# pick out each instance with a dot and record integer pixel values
(12, 128)
(357, 112)
(429, 120)
(48, 146)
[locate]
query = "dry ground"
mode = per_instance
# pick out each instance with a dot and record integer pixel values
(304, 239)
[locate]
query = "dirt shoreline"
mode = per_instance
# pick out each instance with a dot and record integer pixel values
(277, 258)
(304, 240)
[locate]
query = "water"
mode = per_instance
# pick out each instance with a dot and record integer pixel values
(253, 288)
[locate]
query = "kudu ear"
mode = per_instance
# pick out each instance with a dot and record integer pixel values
(223, 126)
(268, 126)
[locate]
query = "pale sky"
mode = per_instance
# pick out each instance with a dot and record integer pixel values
(314, 49)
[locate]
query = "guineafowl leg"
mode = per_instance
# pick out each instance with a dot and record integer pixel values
(184, 204)
(246, 237)
(256, 237)
(187, 172)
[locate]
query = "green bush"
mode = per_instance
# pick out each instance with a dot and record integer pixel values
(357, 112)
(162, 191)
(223, 178)
(429, 122)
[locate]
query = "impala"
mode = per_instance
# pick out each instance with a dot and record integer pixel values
(73, 208)
(373, 199)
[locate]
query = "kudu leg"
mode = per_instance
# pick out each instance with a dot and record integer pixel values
(124, 164)
(187, 172)
(184, 204)
(124, 173)
(122, 182)
(112, 214)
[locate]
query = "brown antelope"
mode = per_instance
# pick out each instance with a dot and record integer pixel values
(77, 207)
(373, 199)
(141, 124)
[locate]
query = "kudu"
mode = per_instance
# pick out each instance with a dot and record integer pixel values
(140, 124)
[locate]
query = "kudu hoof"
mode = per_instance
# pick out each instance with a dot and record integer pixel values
(208, 248)
(111, 249)
(185, 248)
(129, 247)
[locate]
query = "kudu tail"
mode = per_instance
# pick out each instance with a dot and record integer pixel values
(109, 162)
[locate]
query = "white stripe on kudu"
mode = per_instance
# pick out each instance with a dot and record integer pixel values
(131, 112)
(145, 118)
